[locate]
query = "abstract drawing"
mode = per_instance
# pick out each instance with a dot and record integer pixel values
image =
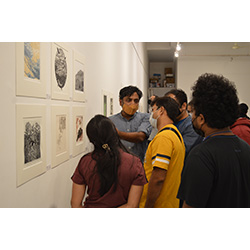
(111, 106)
(32, 141)
(79, 128)
(32, 60)
(61, 139)
(105, 99)
(60, 67)
(79, 83)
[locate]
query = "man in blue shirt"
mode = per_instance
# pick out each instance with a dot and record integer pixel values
(184, 123)
(133, 127)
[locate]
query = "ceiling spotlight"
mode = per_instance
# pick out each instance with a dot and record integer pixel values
(178, 47)
(176, 54)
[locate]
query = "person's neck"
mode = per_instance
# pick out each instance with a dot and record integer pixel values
(125, 115)
(215, 131)
(182, 116)
(164, 121)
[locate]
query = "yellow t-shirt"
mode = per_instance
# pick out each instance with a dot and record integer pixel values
(166, 151)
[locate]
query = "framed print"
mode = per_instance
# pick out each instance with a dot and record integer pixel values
(60, 66)
(78, 130)
(30, 141)
(59, 134)
(111, 104)
(107, 103)
(30, 69)
(78, 89)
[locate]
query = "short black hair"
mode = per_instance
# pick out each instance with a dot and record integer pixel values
(130, 90)
(181, 96)
(169, 104)
(216, 98)
(243, 108)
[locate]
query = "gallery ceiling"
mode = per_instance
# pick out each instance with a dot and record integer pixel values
(164, 52)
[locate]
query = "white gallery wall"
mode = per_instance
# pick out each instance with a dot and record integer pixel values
(108, 67)
(235, 68)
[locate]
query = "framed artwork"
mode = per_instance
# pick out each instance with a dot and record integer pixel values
(30, 141)
(30, 69)
(78, 89)
(78, 130)
(60, 75)
(107, 103)
(59, 135)
(111, 104)
(104, 102)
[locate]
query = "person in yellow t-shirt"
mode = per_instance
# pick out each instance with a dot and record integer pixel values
(164, 157)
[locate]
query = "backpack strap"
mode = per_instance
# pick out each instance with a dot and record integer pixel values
(172, 129)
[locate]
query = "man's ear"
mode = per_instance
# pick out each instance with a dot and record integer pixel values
(121, 102)
(202, 119)
(184, 106)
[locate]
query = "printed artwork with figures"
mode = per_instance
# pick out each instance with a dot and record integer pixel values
(32, 60)
(60, 68)
(79, 128)
(32, 141)
(79, 77)
(61, 141)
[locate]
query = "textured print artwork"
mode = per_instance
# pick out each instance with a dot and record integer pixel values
(79, 76)
(79, 84)
(32, 60)
(32, 141)
(105, 105)
(79, 128)
(60, 67)
(61, 134)
(111, 106)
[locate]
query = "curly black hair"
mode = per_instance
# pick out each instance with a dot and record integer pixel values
(216, 98)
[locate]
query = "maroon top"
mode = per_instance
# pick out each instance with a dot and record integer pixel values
(130, 172)
(241, 128)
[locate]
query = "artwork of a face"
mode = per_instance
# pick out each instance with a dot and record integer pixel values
(60, 68)
(79, 128)
(32, 60)
(61, 134)
(32, 141)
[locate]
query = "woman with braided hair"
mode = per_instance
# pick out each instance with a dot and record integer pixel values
(113, 177)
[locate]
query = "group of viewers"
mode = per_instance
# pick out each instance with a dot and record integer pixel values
(174, 156)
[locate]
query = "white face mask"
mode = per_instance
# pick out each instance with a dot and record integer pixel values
(152, 120)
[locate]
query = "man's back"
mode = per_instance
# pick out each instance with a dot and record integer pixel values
(217, 174)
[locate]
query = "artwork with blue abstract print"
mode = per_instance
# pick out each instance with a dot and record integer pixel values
(32, 60)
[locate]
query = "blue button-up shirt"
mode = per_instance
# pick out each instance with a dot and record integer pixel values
(139, 122)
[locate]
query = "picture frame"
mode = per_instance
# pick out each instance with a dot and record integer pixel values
(30, 141)
(107, 103)
(60, 71)
(59, 134)
(78, 83)
(105, 99)
(31, 69)
(78, 125)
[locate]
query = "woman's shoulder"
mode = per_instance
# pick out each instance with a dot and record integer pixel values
(129, 159)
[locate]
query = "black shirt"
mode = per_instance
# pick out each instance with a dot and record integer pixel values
(217, 174)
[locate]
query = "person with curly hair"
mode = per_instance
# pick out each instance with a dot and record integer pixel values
(217, 171)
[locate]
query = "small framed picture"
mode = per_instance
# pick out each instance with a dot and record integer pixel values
(30, 141)
(30, 69)
(78, 130)
(60, 75)
(59, 134)
(78, 77)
